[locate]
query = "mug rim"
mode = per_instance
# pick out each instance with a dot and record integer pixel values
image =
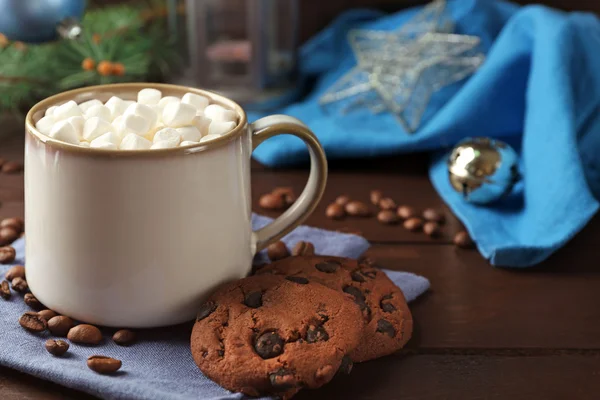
(63, 97)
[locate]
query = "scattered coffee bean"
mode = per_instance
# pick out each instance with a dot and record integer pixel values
(268, 345)
(16, 223)
(342, 200)
(12, 167)
(357, 209)
(405, 212)
(328, 267)
(253, 299)
(463, 240)
(19, 285)
(376, 197)
(7, 254)
(60, 325)
(432, 229)
(287, 193)
(47, 314)
(335, 211)
(85, 334)
(303, 248)
(433, 215)
(386, 327)
(56, 347)
(5, 290)
(277, 251)
(282, 380)
(33, 302)
(271, 201)
(297, 279)
(205, 310)
(18, 271)
(33, 322)
(124, 337)
(387, 204)
(103, 364)
(413, 224)
(387, 217)
(316, 333)
(8, 235)
(346, 365)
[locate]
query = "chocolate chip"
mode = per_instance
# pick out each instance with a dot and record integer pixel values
(33, 302)
(357, 276)
(205, 310)
(277, 251)
(16, 223)
(253, 300)
(282, 379)
(268, 345)
(432, 229)
(5, 292)
(328, 267)
(387, 204)
(103, 364)
(375, 197)
(387, 217)
(433, 215)
(357, 209)
(47, 314)
(316, 333)
(60, 325)
(272, 201)
(405, 212)
(19, 285)
(463, 240)
(221, 353)
(342, 200)
(56, 347)
(33, 322)
(355, 292)
(303, 248)
(7, 254)
(346, 365)
(388, 307)
(335, 211)
(384, 326)
(413, 224)
(18, 271)
(85, 334)
(12, 167)
(297, 279)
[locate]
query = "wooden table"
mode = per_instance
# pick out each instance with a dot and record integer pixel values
(480, 332)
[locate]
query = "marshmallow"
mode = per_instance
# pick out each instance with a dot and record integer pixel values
(209, 137)
(164, 144)
(200, 102)
(134, 124)
(45, 124)
(104, 146)
(95, 127)
(108, 137)
(99, 111)
(158, 112)
(135, 142)
(143, 111)
(117, 107)
(167, 135)
(187, 143)
(202, 123)
(220, 128)
(86, 105)
(50, 111)
(218, 113)
(77, 123)
(84, 144)
(166, 100)
(177, 114)
(189, 133)
(64, 111)
(149, 96)
(65, 132)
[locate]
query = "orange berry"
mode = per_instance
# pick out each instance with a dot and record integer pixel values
(118, 69)
(104, 68)
(3, 40)
(88, 64)
(96, 38)
(20, 46)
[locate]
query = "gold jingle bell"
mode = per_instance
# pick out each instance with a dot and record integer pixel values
(483, 169)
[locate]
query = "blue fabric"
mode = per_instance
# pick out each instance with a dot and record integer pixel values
(539, 90)
(159, 366)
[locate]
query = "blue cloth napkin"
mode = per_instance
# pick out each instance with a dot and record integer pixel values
(538, 90)
(160, 365)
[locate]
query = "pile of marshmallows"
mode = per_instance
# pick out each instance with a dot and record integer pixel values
(153, 122)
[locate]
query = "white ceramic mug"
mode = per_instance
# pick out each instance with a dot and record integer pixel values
(139, 238)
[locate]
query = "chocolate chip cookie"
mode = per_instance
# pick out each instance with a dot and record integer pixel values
(387, 317)
(273, 334)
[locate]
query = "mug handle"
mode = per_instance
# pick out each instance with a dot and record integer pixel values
(274, 125)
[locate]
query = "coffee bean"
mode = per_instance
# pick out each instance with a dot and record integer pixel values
(47, 314)
(413, 224)
(271, 201)
(406, 212)
(463, 240)
(124, 337)
(342, 200)
(433, 215)
(384, 326)
(303, 248)
(8, 235)
(277, 251)
(18, 271)
(253, 300)
(387, 204)
(357, 209)
(376, 197)
(103, 364)
(432, 229)
(5, 290)
(328, 267)
(56, 347)
(33, 302)
(85, 334)
(282, 380)
(316, 333)
(19, 285)
(387, 217)
(7, 254)
(60, 325)
(346, 365)
(287, 193)
(335, 211)
(268, 345)
(297, 279)
(33, 322)
(16, 223)
(205, 310)
(12, 167)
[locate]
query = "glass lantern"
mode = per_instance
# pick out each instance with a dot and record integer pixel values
(243, 49)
